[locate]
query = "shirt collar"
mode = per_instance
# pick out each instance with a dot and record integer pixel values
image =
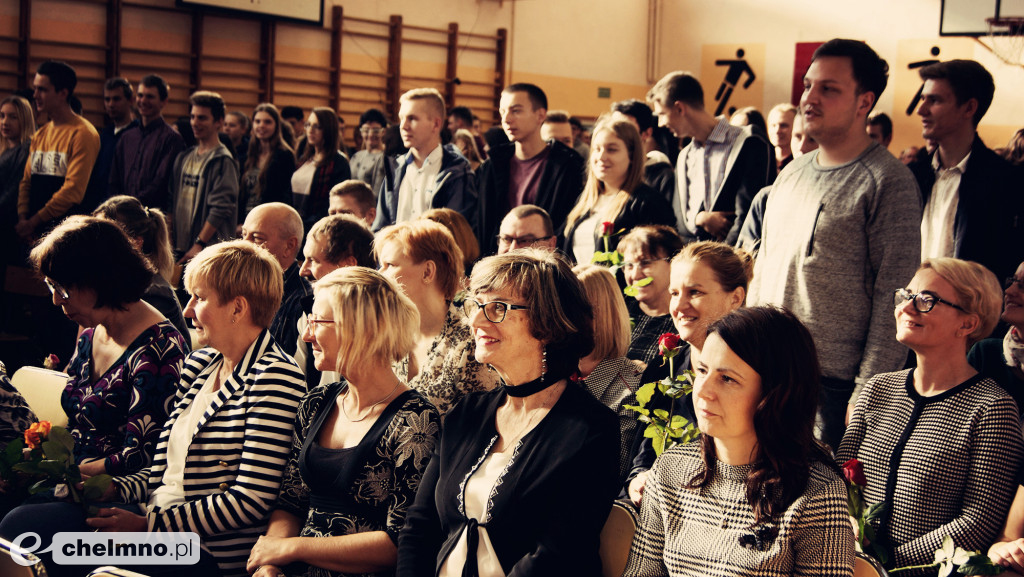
(431, 159)
(961, 166)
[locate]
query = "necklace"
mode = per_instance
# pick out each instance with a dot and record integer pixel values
(368, 412)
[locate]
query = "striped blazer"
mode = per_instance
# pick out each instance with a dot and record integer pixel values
(234, 465)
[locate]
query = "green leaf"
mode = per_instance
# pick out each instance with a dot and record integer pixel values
(615, 257)
(40, 486)
(875, 511)
(644, 281)
(94, 487)
(644, 394)
(55, 451)
(630, 291)
(30, 467)
(661, 414)
(62, 436)
(52, 468)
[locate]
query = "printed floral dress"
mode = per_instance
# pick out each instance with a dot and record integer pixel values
(358, 489)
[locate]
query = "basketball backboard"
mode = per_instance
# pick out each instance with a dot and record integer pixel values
(969, 17)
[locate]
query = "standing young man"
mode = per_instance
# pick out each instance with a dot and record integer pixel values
(204, 182)
(61, 156)
(841, 230)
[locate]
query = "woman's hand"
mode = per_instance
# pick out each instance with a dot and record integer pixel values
(636, 487)
(1009, 554)
(269, 551)
(118, 520)
(268, 571)
(92, 468)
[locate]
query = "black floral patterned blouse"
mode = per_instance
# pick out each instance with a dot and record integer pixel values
(451, 369)
(358, 489)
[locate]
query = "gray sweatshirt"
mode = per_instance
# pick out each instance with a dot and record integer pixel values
(837, 241)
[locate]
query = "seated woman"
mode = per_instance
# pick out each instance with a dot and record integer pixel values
(940, 443)
(320, 168)
(126, 365)
(1002, 360)
(607, 373)
(708, 280)
(646, 251)
(422, 257)
(360, 445)
(614, 192)
(222, 453)
(756, 494)
(147, 229)
(524, 475)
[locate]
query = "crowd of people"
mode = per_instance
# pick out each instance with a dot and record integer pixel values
(418, 357)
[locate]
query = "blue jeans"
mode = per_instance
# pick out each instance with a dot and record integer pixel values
(48, 519)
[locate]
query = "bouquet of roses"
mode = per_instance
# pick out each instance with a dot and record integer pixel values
(663, 427)
(44, 460)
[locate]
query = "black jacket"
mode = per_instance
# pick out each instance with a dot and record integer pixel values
(645, 206)
(988, 227)
(546, 515)
(559, 187)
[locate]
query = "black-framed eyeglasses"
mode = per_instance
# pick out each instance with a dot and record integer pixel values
(630, 265)
(494, 311)
(1012, 280)
(56, 289)
(308, 126)
(528, 240)
(924, 302)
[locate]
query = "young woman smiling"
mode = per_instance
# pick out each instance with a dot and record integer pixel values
(614, 192)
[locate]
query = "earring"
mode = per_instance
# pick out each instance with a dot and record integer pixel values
(544, 364)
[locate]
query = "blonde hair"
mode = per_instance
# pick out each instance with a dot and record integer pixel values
(977, 290)
(733, 268)
(461, 231)
(611, 319)
(26, 120)
(239, 268)
(627, 132)
(372, 316)
(429, 94)
(424, 240)
(472, 152)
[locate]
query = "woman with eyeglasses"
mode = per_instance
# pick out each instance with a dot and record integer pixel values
(321, 167)
(360, 445)
(423, 258)
(614, 192)
(524, 476)
(267, 174)
(367, 163)
(126, 365)
(1002, 360)
(756, 494)
(940, 443)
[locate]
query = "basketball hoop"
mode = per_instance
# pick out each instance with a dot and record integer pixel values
(1006, 39)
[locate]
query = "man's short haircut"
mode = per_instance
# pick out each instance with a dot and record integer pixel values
(463, 113)
(675, 87)
(556, 117)
(781, 108)
(358, 190)
(373, 115)
(431, 95)
(883, 121)
(242, 117)
(576, 123)
(85, 252)
(292, 112)
(423, 240)
(524, 211)
(119, 82)
(373, 317)
(870, 71)
(158, 82)
(210, 100)
(968, 79)
(638, 111)
(239, 268)
(62, 76)
(537, 97)
(344, 236)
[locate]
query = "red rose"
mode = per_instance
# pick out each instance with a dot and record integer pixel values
(607, 228)
(669, 342)
(36, 434)
(853, 470)
(51, 362)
